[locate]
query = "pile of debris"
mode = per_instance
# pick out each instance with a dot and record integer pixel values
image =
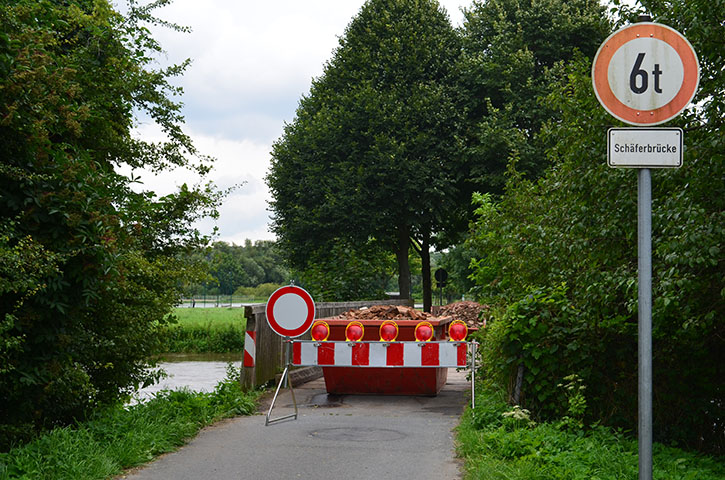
(473, 313)
(386, 312)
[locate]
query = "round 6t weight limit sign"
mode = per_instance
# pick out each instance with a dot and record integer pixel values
(645, 74)
(290, 311)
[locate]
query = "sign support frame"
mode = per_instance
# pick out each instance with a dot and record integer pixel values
(287, 382)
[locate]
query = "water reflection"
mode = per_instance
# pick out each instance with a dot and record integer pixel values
(199, 372)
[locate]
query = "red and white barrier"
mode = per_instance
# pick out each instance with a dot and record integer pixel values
(380, 354)
(250, 348)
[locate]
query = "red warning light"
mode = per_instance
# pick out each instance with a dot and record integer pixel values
(388, 331)
(457, 331)
(354, 331)
(424, 332)
(320, 331)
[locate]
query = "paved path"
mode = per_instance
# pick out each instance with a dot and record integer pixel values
(335, 437)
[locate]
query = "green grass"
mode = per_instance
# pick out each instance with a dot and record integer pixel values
(124, 437)
(206, 330)
(495, 448)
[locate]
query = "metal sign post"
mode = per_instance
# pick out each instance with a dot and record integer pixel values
(645, 74)
(644, 265)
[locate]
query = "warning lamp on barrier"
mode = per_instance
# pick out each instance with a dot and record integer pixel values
(354, 332)
(388, 331)
(424, 332)
(320, 331)
(457, 331)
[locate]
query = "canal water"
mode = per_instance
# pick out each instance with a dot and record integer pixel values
(199, 372)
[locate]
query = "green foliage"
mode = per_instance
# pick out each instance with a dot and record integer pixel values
(263, 290)
(89, 268)
(577, 226)
(122, 437)
(543, 334)
(205, 330)
(510, 52)
(574, 390)
(523, 451)
(345, 273)
(234, 266)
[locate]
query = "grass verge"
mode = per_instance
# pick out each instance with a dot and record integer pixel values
(205, 330)
(126, 436)
(497, 446)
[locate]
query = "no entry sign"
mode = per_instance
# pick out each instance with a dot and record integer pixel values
(290, 311)
(645, 74)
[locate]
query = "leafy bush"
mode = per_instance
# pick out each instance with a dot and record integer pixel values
(89, 267)
(542, 334)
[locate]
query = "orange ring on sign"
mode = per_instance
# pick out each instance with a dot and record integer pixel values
(634, 116)
(347, 331)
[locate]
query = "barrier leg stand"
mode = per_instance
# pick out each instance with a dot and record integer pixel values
(284, 380)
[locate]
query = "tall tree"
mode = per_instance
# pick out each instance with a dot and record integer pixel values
(372, 155)
(88, 267)
(509, 50)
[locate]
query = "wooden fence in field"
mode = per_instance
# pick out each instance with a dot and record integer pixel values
(269, 352)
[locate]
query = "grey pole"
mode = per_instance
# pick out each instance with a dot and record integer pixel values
(644, 234)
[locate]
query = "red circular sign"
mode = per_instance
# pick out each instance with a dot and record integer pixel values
(645, 74)
(290, 311)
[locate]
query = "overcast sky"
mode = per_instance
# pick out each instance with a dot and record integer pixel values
(252, 62)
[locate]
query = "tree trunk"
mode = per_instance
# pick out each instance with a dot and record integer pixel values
(425, 271)
(401, 253)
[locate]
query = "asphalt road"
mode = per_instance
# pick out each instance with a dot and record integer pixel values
(334, 437)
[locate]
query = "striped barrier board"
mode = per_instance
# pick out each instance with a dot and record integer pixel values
(250, 348)
(380, 354)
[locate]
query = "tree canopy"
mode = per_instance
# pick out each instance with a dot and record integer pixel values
(88, 267)
(372, 155)
(510, 50)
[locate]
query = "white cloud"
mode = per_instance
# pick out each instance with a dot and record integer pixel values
(252, 62)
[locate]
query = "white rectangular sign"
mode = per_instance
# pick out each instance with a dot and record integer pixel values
(644, 147)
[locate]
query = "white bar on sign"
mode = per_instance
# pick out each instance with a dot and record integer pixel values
(448, 354)
(644, 147)
(343, 354)
(308, 354)
(378, 355)
(412, 353)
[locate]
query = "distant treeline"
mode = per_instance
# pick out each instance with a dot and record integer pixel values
(232, 267)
